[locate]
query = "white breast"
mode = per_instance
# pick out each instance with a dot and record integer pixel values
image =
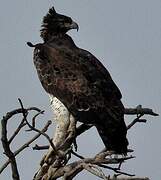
(64, 121)
(59, 110)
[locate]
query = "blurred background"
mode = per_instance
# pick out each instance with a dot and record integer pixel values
(124, 35)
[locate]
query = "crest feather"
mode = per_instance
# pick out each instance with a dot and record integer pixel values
(51, 13)
(46, 22)
(52, 10)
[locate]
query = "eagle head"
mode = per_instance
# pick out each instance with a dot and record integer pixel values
(55, 24)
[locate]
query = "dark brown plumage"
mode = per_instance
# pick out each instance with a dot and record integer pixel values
(80, 81)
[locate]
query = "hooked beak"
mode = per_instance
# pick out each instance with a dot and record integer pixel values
(74, 25)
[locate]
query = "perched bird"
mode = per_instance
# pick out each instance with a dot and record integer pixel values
(79, 81)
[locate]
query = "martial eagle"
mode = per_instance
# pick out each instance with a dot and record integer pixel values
(79, 81)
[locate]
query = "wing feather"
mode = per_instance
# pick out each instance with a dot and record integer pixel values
(85, 87)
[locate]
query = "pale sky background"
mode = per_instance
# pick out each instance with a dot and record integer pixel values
(124, 34)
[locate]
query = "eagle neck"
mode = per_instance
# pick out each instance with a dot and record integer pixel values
(62, 39)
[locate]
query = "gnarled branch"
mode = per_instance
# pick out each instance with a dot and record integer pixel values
(55, 163)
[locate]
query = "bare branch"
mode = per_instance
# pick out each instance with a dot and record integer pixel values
(21, 125)
(54, 164)
(74, 168)
(44, 134)
(116, 170)
(27, 144)
(7, 142)
(6, 147)
(37, 147)
(140, 110)
(135, 121)
(35, 117)
(82, 128)
(35, 129)
(77, 155)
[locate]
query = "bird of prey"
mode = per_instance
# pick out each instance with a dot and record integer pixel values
(79, 81)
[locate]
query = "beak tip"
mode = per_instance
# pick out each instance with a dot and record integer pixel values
(75, 26)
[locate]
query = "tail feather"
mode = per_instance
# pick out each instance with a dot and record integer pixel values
(114, 136)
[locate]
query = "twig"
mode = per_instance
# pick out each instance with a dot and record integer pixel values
(24, 146)
(35, 117)
(37, 147)
(24, 112)
(77, 155)
(12, 113)
(37, 130)
(6, 142)
(140, 110)
(135, 121)
(82, 128)
(7, 150)
(116, 170)
(21, 125)
(74, 168)
(45, 135)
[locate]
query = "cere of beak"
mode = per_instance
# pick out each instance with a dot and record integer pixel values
(74, 25)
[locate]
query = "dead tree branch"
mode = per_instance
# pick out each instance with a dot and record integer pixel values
(6, 143)
(26, 145)
(69, 171)
(72, 169)
(55, 163)
(140, 110)
(6, 147)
